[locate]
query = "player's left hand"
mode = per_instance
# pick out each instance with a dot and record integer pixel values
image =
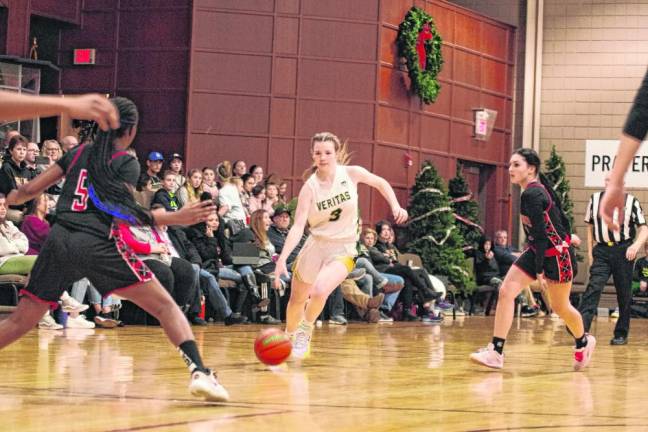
(400, 215)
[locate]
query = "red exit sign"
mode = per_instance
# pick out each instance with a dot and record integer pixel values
(84, 56)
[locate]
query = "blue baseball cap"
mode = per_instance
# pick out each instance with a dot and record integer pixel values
(155, 156)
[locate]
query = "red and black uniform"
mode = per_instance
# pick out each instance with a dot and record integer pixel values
(83, 242)
(548, 235)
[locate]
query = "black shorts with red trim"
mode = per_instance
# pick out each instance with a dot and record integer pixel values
(68, 256)
(557, 268)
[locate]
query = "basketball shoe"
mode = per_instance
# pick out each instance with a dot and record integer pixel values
(301, 341)
(70, 304)
(582, 356)
(206, 385)
(488, 357)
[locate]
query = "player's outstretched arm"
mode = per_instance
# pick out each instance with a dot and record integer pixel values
(14, 106)
(188, 215)
(361, 175)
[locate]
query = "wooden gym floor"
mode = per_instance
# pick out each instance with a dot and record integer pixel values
(387, 377)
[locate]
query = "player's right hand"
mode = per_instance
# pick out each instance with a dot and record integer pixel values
(93, 107)
(280, 269)
(613, 198)
(193, 213)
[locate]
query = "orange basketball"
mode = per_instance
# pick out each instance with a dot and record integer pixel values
(272, 346)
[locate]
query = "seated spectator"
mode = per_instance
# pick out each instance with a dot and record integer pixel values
(258, 200)
(246, 193)
(165, 195)
(14, 173)
(283, 193)
(384, 257)
(175, 274)
(52, 150)
(68, 143)
(504, 254)
(35, 226)
(149, 179)
(13, 246)
(209, 182)
(271, 197)
(260, 224)
(175, 165)
(216, 252)
(486, 269)
(257, 173)
(230, 196)
(190, 192)
(239, 168)
(30, 160)
(278, 232)
(640, 279)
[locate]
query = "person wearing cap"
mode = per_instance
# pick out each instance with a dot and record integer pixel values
(278, 232)
(150, 180)
(176, 165)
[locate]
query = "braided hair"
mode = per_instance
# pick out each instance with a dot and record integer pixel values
(532, 158)
(107, 188)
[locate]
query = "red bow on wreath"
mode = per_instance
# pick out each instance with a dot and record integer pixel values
(424, 35)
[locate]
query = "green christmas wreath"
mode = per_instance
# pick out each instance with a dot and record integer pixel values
(420, 44)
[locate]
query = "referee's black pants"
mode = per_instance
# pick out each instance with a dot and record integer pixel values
(609, 260)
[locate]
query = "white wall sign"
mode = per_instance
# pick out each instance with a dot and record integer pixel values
(599, 159)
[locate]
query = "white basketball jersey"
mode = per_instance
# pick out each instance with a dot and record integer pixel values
(334, 212)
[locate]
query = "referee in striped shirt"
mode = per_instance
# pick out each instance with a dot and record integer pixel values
(613, 254)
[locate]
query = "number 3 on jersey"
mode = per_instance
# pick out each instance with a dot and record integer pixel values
(80, 202)
(335, 215)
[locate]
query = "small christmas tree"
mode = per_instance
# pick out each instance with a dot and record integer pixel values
(435, 237)
(556, 172)
(466, 210)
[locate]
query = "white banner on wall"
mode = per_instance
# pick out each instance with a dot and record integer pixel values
(599, 159)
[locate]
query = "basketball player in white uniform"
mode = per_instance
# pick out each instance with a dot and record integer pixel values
(328, 201)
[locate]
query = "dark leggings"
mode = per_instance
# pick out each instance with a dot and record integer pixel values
(179, 279)
(414, 279)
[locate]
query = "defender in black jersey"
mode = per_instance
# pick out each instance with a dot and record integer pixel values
(100, 179)
(548, 258)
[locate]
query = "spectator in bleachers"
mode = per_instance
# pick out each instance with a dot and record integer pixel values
(68, 143)
(14, 173)
(149, 179)
(423, 291)
(640, 280)
(278, 232)
(260, 224)
(165, 195)
(209, 182)
(239, 168)
(175, 165)
(30, 160)
(35, 226)
(505, 255)
(283, 191)
(214, 249)
(175, 274)
(246, 193)
(36, 229)
(257, 173)
(272, 196)
(258, 200)
(190, 192)
(230, 195)
(486, 268)
(52, 150)
(7, 137)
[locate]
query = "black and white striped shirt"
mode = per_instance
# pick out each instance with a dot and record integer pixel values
(633, 217)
